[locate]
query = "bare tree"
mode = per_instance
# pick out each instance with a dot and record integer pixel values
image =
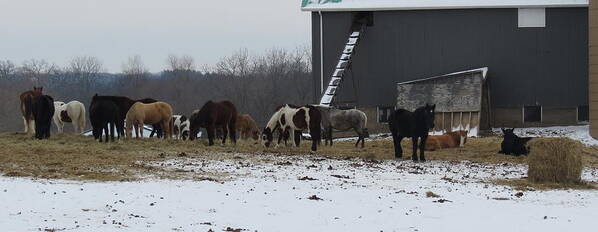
(134, 71)
(84, 70)
(7, 68)
(182, 63)
(134, 67)
(35, 69)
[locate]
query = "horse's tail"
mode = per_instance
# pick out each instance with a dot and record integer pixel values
(28, 104)
(82, 119)
(365, 120)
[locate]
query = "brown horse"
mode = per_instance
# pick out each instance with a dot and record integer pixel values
(152, 113)
(213, 115)
(247, 127)
(26, 108)
(447, 140)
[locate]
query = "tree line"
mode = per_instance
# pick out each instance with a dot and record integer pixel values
(256, 84)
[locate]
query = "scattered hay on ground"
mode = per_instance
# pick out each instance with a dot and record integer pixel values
(76, 157)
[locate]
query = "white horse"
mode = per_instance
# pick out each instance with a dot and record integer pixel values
(72, 112)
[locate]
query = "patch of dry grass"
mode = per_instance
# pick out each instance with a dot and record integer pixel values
(524, 185)
(78, 157)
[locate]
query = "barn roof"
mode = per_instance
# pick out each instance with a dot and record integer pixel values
(378, 5)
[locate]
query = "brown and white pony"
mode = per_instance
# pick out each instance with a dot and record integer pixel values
(26, 108)
(292, 119)
(152, 113)
(72, 112)
(447, 140)
(180, 127)
(247, 127)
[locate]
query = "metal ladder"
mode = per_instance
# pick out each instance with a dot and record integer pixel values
(343, 63)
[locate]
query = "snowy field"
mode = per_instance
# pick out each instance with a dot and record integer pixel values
(301, 193)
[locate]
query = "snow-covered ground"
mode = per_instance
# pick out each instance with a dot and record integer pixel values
(301, 193)
(580, 133)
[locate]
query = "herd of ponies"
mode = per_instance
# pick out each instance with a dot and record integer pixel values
(118, 116)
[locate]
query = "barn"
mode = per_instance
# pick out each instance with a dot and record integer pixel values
(533, 54)
(593, 68)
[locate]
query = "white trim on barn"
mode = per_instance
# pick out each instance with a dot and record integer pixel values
(381, 5)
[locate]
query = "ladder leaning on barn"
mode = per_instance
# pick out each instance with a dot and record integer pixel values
(343, 64)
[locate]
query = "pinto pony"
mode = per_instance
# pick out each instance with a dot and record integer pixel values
(403, 123)
(72, 112)
(152, 113)
(42, 110)
(247, 127)
(214, 115)
(447, 140)
(180, 127)
(26, 108)
(292, 119)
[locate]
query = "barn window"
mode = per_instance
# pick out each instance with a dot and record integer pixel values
(583, 113)
(531, 17)
(384, 113)
(532, 113)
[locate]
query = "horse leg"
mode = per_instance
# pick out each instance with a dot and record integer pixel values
(396, 139)
(26, 125)
(210, 129)
(292, 134)
(106, 125)
(297, 139)
(141, 129)
(31, 126)
(224, 134)
(422, 145)
(414, 140)
(233, 132)
(359, 137)
(111, 131)
(329, 135)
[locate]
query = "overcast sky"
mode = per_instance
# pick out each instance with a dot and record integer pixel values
(112, 30)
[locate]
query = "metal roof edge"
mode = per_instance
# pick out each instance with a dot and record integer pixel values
(454, 7)
(484, 71)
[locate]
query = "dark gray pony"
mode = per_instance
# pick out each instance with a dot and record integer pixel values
(344, 120)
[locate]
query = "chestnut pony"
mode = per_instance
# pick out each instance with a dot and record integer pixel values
(27, 107)
(447, 140)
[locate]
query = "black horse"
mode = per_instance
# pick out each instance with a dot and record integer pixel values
(403, 123)
(124, 104)
(513, 144)
(104, 114)
(42, 111)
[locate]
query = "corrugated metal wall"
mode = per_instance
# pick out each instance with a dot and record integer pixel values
(546, 66)
(593, 71)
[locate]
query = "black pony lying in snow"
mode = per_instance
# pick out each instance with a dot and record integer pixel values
(513, 144)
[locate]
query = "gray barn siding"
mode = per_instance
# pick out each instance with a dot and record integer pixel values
(527, 66)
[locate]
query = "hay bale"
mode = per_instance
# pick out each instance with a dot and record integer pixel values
(555, 160)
